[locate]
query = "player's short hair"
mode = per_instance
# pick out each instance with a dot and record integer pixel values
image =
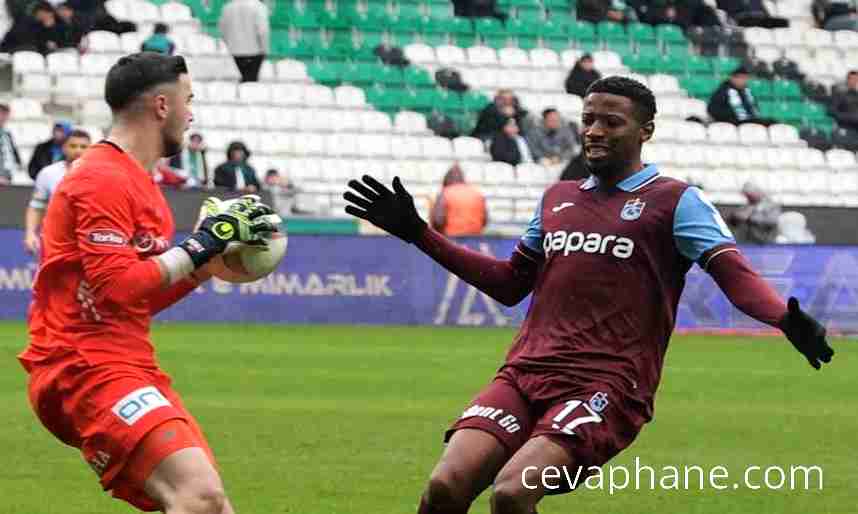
(548, 111)
(640, 95)
(5, 108)
(79, 133)
(135, 74)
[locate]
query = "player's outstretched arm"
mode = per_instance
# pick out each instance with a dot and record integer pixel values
(755, 297)
(507, 281)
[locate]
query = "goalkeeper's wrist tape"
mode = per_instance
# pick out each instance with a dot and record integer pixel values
(176, 263)
(201, 246)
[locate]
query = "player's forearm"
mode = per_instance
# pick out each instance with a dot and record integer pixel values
(32, 219)
(746, 289)
(164, 298)
(507, 281)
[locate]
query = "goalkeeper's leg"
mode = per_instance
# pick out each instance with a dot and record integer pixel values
(185, 481)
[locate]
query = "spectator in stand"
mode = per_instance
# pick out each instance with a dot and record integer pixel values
(684, 13)
(46, 183)
(244, 26)
(553, 143)
(733, 102)
(835, 14)
(844, 105)
(757, 222)
(10, 159)
(509, 146)
(460, 208)
(50, 151)
(595, 11)
(582, 75)
(41, 32)
(236, 174)
(159, 42)
(493, 117)
(191, 162)
(477, 9)
(751, 13)
(284, 193)
(847, 21)
(72, 27)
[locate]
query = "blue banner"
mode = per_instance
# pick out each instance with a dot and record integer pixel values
(379, 280)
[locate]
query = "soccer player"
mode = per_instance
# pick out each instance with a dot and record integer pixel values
(606, 260)
(106, 268)
(46, 183)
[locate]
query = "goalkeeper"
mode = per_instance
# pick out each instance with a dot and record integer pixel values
(106, 269)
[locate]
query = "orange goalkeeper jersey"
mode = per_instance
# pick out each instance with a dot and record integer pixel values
(94, 286)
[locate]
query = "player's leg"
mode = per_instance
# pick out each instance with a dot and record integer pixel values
(177, 472)
(467, 467)
(518, 486)
(492, 428)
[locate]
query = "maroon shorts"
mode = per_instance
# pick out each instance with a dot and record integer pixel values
(594, 421)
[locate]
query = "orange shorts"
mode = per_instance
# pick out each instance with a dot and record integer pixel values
(106, 411)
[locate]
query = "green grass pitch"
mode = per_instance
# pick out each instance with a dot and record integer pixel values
(348, 420)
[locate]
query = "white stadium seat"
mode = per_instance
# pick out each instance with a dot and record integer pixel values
(469, 148)
(482, 56)
(513, 58)
(448, 55)
(419, 53)
(350, 97)
(409, 122)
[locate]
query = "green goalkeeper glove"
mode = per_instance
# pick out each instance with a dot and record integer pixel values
(243, 220)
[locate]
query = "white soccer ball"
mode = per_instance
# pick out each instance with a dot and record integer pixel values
(244, 263)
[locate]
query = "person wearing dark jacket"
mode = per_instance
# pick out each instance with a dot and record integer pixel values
(72, 27)
(493, 117)
(42, 32)
(582, 75)
(751, 13)
(236, 174)
(509, 146)
(845, 104)
(733, 102)
(50, 151)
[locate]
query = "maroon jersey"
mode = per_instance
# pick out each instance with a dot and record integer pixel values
(604, 304)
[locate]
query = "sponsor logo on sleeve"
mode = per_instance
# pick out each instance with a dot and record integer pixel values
(107, 237)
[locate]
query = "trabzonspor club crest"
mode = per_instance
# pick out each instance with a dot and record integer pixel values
(632, 209)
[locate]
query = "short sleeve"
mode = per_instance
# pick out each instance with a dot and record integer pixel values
(532, 237)
(698, 226)
(41, 192)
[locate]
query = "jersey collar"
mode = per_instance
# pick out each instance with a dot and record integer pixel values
(630, 184)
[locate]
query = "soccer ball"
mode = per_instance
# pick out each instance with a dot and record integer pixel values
(244, 263)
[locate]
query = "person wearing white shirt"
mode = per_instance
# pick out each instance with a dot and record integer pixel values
(244, 26)
(46, 183)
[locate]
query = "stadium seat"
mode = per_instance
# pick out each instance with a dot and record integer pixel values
(374, 121)
(482, 56)
(419, 53)
(350, 97)
(95, 112)
(784, 135)
(469, 148)
(544, 58)
(26, 109)
(753, 134)
(513, 58)
(449, 55)
(723, 133)
(406, 147)
(100, 41)
(841, 160)
(175, 13)
(251, 93)
(408, 122)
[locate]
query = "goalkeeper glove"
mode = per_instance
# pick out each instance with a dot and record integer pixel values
(392, 211)
(244, 220)
(806, 334)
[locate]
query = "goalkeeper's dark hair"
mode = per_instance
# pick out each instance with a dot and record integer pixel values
(640, 95)
(79, 133)
(136, 74)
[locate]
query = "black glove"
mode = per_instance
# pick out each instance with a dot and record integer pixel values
(392, 211)
(806, 334)
(242, 222)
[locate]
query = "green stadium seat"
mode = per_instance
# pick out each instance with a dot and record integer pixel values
(365, 50)
(786, 90)
(761, 88)
(641, 33)
(526, 33)
(700, 87)
(409, 10)
(723, 66)
(405, 23)
(563, 17)
(670, 64)
(582, 31)
(473, 101)
(672, 39)
(420, 100)
(787, 112)
(303, 20)
(439, 11)
(327, 73)
(608, 31)
(491, 31)
(371, 21)
(448, 101)
(643, 62)
(385, 99)
(401, 39)
(418, 78)
(556, 4)
(698, 65)
(813, 112)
